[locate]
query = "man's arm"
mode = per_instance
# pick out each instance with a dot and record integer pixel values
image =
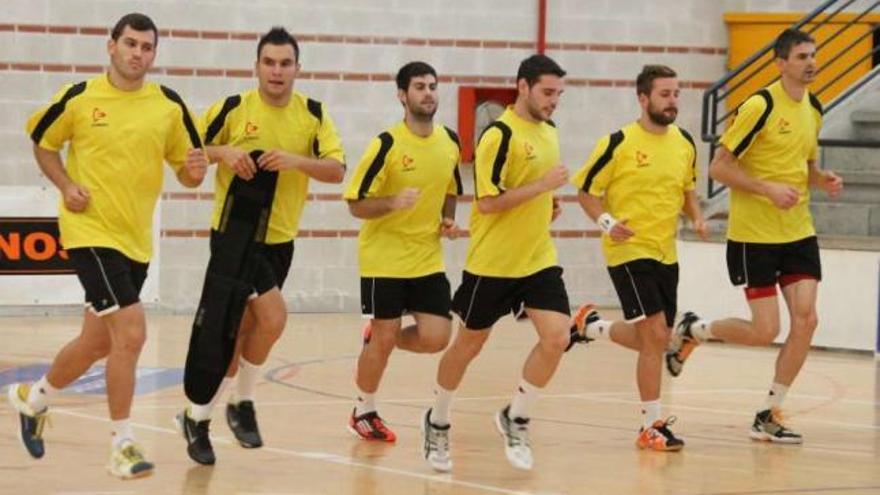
(76, 197)
(320, 169)
(369, 208)
(193, 171)
(825, 180)
(555, 178)
(693, 211)
(726, 170)
(592, 206)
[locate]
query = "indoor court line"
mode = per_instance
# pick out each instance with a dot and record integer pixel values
(322, 457)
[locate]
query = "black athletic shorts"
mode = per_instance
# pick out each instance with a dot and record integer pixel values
(274, 265)
(388, 298)
(646, 287)
(111, 280)
(480, 301)
(765, 265)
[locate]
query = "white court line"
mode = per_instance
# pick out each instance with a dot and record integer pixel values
(324, 457)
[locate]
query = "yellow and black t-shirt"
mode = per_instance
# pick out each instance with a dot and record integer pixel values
(406, 243)
(117, 143)
(246, 122)
(773, 137)
(515, 243)
(641, 177)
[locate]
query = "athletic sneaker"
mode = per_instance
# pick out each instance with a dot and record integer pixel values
(584, 315)
(198, 440)
(31, 423)
(659, 437)
(242, 420)
(435, 444)
(369, 426)
(682, 344)
(515, 431)
(768, 426)
(127, 461)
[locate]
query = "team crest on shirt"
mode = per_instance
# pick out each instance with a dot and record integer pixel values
(408, 163)
(530, 151)
(98, 117)
(642, 159)
(784, 126)
(251, 130)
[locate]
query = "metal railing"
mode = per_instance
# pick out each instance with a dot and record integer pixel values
(715, 114)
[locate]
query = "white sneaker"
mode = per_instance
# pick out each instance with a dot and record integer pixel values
(128, 462)
(516, 439)
(435, 444)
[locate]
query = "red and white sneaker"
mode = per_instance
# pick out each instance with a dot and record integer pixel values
(369, 426)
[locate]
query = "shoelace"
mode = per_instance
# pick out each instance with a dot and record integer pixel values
(132, 454)
(379, 425)
(776, 417)
(519, 434)
(42, 420)
(664, 427)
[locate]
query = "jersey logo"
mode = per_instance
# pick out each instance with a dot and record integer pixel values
(98, 117)
(642, 159)
(251, 130)
(408, 163)
(784, 126)
(530, 151)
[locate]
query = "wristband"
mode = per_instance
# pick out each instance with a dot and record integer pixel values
(606, 222)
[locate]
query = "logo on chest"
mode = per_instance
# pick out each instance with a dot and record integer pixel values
(251, 130)
(784, 126)
(99, 118)
(408, 163)
(642, 159)
(529, 150)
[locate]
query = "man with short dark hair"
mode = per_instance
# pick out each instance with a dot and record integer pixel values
(120, 128)
(768, 159)
(511, 262)
(634, 186)
(405, 189)
(300, 142)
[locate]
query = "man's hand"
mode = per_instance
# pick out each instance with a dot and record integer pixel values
(239, 161)
(555, 178)
(831, 183)
(405, 200)
(782, 195)
(196, 164)
(620, 232)
(449, 229)
(701, 228)
(277, 160)
(557, 209)
(76, 197)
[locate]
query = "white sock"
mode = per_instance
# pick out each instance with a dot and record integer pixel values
(248, 375)
(199, 412)
(650, 412)
(442, 406)
(365, 403)
(40, 393)
(525, 398)
(775, 396)
(121, 431)
(599, 330)
(702, 330)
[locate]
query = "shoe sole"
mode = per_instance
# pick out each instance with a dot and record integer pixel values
(130, 477)
(766, 437)
(360, 437)
(677, 448)
(504, 437)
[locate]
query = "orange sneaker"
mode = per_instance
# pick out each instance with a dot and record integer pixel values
(369, 426)
(584, 315)
(658, 437)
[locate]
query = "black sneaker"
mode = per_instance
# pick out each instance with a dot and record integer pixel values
(585, 315)
(31, 423)
(198, 440)
(242, 420)
(768, 427)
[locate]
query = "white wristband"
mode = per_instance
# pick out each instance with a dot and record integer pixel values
(606, 222)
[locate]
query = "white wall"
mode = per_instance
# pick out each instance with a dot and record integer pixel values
(847, 303)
